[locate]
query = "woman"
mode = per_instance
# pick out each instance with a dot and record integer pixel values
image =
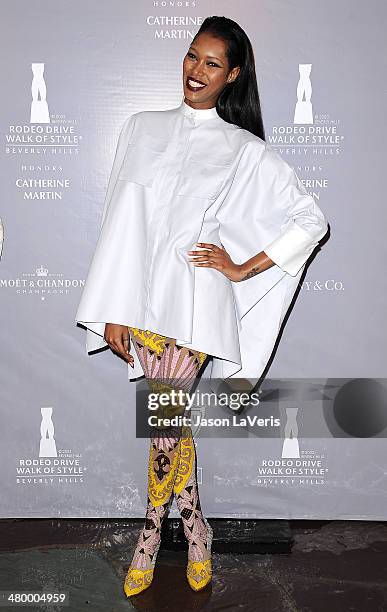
(205, 233)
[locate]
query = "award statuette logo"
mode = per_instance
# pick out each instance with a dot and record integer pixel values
(290, 447)
(304, 112)
(39, 106)
(47, 440)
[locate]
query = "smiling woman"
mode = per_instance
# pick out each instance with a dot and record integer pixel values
(198, 175)
(205, 71)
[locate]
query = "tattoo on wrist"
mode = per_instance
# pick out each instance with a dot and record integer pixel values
(252, 272)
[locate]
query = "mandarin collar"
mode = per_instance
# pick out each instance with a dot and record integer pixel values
(198, 114)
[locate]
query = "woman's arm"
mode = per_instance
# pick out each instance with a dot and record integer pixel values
(255, 265)
(282, 199)
(212, 256)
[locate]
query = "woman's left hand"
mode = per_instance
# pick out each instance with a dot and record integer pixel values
(213, 256)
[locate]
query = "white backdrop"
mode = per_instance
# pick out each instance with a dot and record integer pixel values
(71, 73)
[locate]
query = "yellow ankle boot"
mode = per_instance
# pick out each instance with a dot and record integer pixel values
(137, 580)
(199, 573)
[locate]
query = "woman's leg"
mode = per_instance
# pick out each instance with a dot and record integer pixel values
(179, 367)
(172, 459)
(162, 467)
(188, 502)
(196, 528)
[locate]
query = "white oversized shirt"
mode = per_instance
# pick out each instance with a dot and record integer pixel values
(182, 176)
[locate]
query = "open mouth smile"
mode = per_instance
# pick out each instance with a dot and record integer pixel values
(194, 85)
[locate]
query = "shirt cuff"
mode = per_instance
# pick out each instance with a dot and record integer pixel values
(291, 249)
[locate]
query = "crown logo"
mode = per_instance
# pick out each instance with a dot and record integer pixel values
(41, 271)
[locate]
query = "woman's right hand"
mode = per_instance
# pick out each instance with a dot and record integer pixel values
(117, 337)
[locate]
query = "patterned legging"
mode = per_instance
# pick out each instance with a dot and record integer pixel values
(167, 366)
(172, 454)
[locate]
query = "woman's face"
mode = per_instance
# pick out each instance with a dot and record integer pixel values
(206, 64)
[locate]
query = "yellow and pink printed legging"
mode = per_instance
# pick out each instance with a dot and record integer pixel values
(166, 365)
(172, 453)
(161, 357)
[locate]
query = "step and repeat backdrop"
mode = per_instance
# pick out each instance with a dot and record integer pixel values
(72, 73)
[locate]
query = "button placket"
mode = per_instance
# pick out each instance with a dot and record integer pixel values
(156, 227)
(158, 220)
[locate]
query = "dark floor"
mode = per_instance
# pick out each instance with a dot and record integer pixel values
(332, 566)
